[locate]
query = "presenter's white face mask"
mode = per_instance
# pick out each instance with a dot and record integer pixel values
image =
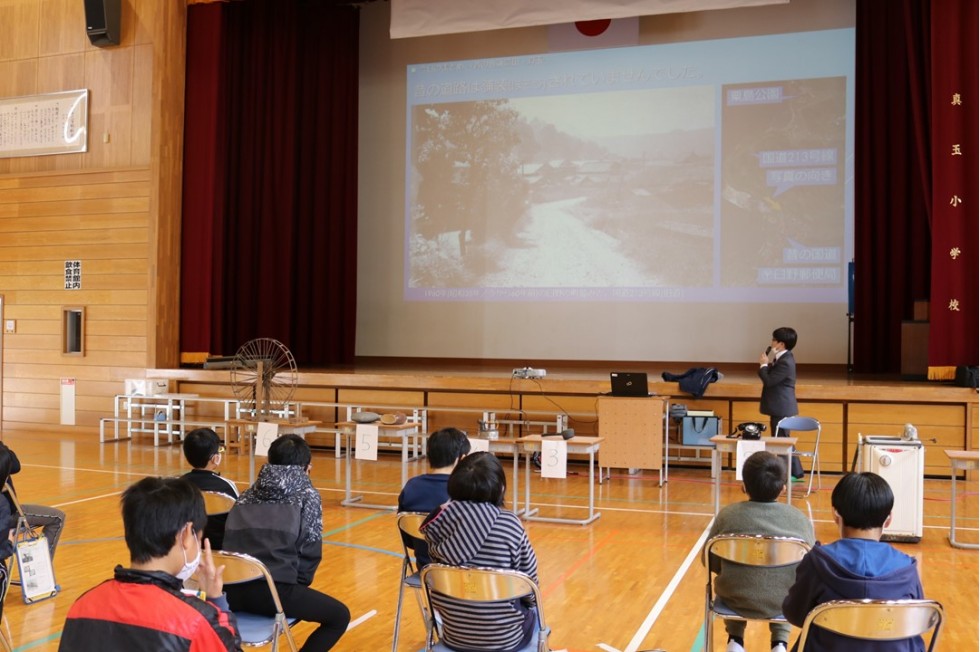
(190, 566)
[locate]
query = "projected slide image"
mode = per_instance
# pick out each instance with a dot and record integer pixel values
(783, 168)
(554, 195)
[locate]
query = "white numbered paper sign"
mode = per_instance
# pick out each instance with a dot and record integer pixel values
(554, 458)
(742, 452)
(366, 442)
(265, 434)
(479, 445)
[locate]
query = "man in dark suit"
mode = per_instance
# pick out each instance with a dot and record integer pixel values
(777, 369)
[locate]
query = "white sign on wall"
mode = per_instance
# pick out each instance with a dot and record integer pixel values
(73, 275)
(35, 125)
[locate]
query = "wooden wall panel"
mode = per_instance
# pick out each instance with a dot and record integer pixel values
(939, 426)
(18, 78)
(64, 27)
(40, 230)
(19, 43)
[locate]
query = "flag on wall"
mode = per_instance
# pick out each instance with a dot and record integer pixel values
(953, 310)
(587, 34)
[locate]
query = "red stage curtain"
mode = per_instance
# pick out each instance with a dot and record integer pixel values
(892, 176)
(270, 186)
(953, 310)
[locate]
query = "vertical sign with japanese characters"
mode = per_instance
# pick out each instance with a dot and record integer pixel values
(73, 275)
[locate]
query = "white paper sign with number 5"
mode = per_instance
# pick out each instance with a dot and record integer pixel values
(366, 442)
(554, 458)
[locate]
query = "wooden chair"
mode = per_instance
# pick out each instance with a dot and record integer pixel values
(254, 629)
(749, 550)
(875, 620)
(480, 585)
(408, 526)
(805, 424)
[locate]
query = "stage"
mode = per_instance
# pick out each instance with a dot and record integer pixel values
(458, 392)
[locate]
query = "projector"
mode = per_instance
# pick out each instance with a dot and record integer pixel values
(528, 372)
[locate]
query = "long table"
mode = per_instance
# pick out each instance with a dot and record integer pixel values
(405, 432)
(577, 446)
(724, 444)
(959, 461)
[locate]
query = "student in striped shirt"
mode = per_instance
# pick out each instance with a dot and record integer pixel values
(473, 529)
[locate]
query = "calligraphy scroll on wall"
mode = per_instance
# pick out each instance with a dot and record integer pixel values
(36, 125)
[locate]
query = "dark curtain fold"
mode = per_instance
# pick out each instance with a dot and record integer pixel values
(203, 194)
(892, 176)
(281, 163)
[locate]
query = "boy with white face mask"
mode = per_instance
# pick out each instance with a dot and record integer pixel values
(143, 608)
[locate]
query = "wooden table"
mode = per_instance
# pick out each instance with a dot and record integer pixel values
(577, 446)
(960, 461)
(405, 432)
(241, 432)
(724, 444)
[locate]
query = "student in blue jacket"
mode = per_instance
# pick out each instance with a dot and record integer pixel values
(856, 566)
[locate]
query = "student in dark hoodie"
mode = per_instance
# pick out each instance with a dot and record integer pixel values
(473, 529)
(856, 566)
(279, 520)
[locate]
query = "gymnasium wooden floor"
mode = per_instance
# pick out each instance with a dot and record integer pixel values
(630, 581)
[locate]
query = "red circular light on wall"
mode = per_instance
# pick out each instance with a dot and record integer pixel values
(593, 27)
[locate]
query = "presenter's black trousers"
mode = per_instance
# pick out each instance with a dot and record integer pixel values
(796, 470)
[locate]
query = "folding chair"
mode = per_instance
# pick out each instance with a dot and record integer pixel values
(28, 536)
(480, 585)
(805, 424)
(216, 503)
(254, 629)
(875, 620)
(408, 526)
(748, 550)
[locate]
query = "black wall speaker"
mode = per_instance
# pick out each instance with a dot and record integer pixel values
(102, 21)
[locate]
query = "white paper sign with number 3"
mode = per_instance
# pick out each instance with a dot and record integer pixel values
(366, 442)
(554, 458)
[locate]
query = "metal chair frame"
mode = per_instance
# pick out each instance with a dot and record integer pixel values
(477, 584)
(241, 568)
(876, 620)
(408, 523)
(805, 424)
(750, 550)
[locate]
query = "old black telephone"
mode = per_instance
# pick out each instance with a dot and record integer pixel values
(748, 430)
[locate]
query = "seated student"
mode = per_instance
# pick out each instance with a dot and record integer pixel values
(426, 492)
(144, 609)
(203, 450)
(279, 520)
(50, 519)
(855, 566)
(6, 533)
(758, 592)
(473, 529)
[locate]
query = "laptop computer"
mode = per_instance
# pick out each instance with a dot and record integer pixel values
(628, 383)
